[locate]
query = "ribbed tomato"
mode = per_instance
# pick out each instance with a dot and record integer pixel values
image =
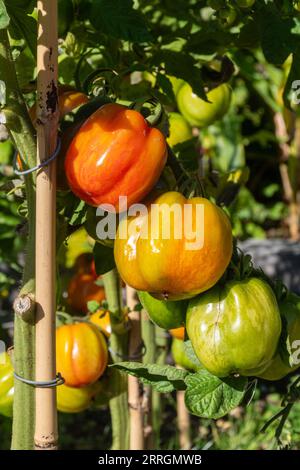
(81, 353)
(115, 153)
(179, 249)
(81, 289)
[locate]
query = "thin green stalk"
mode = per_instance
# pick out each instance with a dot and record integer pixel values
(148, 335)
(21, 130)
(119, 350)
(157, 409)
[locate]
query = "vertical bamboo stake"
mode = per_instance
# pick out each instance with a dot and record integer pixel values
(136, 415)
(47, 120)
(183, 421)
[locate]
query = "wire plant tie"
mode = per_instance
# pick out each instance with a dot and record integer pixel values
(59, 380)
(40, 165)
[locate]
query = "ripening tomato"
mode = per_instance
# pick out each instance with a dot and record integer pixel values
(178, 333)
(199, 112)
(82, 288)
(115, 153)
(179, 129)
(164, 313)
(178, 249)
(85, 263)
(227, 16)
(180, 356)
(234, 329)
(101, 318)
(81, 353)
(75, 400)
(6, 385)
(277, 369)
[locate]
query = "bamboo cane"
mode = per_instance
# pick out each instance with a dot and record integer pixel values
(136, 415)
(47, 120)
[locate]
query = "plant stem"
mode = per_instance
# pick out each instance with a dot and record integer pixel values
(22, 133)
(118, 349)
(148, 335)
(157, 408)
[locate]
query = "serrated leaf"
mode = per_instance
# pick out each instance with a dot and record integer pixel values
(119, 19)
(4, 18)
(104, 258)
(163, 379)
(208, 396)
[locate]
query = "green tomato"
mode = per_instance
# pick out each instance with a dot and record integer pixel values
(199, 112)
(6, 385)
(235, 329)
(175, 82)
(290, 310)
(227, 16)
(165, 313)
(180, 357)
(180, 130)
(245, 3)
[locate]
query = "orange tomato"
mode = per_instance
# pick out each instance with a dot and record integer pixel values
(115, 153)
(178, 333)
(81, 353)
(101, 318)
(85, 263)
(83, 288)
(151, 255)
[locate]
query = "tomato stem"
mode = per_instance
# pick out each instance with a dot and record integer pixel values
(22, 133)
(119, 348)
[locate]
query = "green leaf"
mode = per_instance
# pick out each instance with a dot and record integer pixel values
(4, 18)
(93, 306)
(208, 396)
(277, 40)
(23, 26)
(119, 19)
(292, 83)
(163, 379)
(104, 258)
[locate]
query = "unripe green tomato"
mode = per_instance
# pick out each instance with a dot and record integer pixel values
(179, 129)
(180, 357)
(175, 82)
(216, 4)
(6, 152)
(277, 369)
(297, 5)
(167, 314)
(235, 329)
(199, 112)
(245, 3)
(227, 16)
(6, 385)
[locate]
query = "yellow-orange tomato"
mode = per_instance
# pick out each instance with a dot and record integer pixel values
(101, 318)
(74, 399)
(115, 153)
(81, 353)
(179, 249)
(81, 289)
(178, 333)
